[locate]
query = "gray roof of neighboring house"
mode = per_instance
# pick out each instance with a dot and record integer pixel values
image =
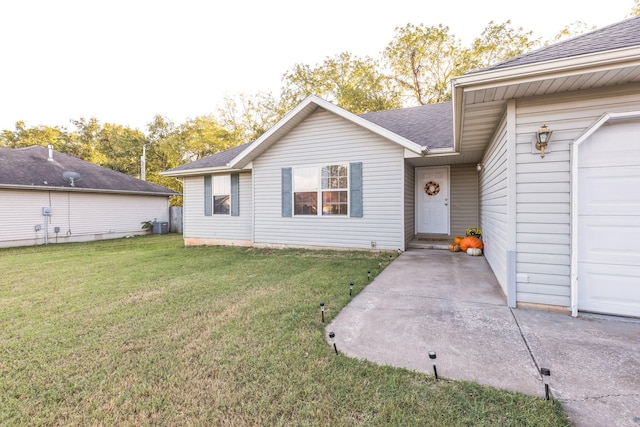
(30, 167)
(620, 35)
(427, 125)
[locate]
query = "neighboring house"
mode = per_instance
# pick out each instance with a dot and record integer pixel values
(558, 230)
(49, 197)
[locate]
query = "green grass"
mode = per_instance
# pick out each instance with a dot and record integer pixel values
(145, 331)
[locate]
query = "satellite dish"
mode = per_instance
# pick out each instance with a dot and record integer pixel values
(71, 177)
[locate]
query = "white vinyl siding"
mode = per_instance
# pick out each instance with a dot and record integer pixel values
(464, 198)
(544, 186)
(217, 228)
(81, 216)
(494, 204)
(409, 203)
(324, 139)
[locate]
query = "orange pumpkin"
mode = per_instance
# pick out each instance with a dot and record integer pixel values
(456, 240)
(470, 242)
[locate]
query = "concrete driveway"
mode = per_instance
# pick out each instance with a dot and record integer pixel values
(451, 303)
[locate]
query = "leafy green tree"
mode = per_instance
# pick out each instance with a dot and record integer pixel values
(498, 43)
(120, 148)
(635, 11)
(24, 136)
(423, 60)
(353, 83)
(246, 117)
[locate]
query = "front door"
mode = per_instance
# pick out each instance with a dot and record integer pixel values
(432, 200)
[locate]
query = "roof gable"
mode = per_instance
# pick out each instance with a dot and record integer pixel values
(30, 167)
(301, 112)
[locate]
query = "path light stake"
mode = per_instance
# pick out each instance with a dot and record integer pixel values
(322, 310)
(432, 356)
(333, 340)
(351, 289)
(379, 265)
(390, 258)
(546, 376)
(369, 275)
(399, 251)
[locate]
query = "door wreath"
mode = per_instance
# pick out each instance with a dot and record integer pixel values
(432, 188)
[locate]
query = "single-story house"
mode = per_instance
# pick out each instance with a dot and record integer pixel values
(50, 197)
(559, 216)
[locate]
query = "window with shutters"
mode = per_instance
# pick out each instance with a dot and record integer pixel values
(221, 193)
(321, 190)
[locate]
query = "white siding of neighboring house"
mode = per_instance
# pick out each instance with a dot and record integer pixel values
(81, 216)
(324, 138)
(543, 186)
(216, 229)
(494, 204)
(464, 198)
(409, 203)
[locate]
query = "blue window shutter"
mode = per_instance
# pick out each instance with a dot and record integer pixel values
(287, 194)
(235, 194)
(208, 199)
(355, 189)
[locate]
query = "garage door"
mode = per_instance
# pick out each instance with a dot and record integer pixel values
(609, 220)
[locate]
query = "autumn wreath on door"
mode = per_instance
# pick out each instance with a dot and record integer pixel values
(432, 188)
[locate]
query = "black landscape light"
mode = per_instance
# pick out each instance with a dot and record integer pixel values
(369, 275)
(333, 341)
(546, 377)
(432, 356)
(379, 265)
(390, 257)
(399, 251)
(322, 311)
(351, 289)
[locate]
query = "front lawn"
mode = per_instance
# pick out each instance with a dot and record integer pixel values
(145, 331)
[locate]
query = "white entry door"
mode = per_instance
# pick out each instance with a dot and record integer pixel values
(432, 200)
(609, 221)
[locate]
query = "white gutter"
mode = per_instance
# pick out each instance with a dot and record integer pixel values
(85, 190)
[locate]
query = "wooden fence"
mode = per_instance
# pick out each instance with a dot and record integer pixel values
(175, 219)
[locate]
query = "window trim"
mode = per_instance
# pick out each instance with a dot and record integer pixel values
(317, 188)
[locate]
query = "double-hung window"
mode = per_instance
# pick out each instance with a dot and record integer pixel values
(221, 194)
(320, 190)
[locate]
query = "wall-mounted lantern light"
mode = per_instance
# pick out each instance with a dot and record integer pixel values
(542, 137)
(480, 167)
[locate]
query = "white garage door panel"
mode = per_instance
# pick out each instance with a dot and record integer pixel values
(607, 240)
(610, 191)
(609, 220)
(610, 289)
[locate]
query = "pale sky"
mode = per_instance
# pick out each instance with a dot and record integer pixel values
(124, 61)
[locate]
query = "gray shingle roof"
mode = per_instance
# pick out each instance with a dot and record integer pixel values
(620, 35)
(29, 167)
(430, 125)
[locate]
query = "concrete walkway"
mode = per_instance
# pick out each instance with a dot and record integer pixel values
(451, 303)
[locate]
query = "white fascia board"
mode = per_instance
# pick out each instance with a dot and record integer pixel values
(249, 154)
(549, 69)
